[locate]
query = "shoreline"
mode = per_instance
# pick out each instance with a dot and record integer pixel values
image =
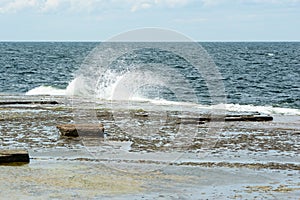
(233, 159)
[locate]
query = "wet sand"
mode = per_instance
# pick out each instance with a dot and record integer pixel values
(237, 160)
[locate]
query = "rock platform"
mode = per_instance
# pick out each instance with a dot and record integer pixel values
(83, 130)
(14, 156)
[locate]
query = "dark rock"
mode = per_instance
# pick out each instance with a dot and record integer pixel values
(190, 121)
(227, 118)
(28, 102)
(141, 114)
(250, 118)
(82, 130)
(14, 156)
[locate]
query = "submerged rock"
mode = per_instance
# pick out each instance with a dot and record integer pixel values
(83, 130)
(14, 156)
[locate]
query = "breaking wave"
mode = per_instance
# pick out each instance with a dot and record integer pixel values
(46, 90)
(49, 90)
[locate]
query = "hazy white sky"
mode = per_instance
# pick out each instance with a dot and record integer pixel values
(98, 20)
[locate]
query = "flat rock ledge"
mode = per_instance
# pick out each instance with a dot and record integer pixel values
(82, 130)
(14, 156)
(28, 102)
(227, 118)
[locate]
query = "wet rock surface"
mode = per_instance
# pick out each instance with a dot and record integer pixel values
(229, 118)
(14, 156)
(83, 130)
(138, 141)
(27, 102)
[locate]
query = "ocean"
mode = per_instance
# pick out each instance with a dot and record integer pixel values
(256, 75)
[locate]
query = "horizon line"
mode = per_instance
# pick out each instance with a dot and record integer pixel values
(150, 41)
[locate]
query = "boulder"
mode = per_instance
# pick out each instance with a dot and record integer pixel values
(14, 156)
(82, 130)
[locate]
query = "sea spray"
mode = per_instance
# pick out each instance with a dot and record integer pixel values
(46, 90)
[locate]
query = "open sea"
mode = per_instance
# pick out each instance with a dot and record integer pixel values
(256, 74)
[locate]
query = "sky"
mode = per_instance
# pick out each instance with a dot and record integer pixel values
(99, 20)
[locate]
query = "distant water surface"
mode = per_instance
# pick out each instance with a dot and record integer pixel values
(255, 73)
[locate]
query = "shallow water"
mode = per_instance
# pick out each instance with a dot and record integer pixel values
(89, 180)
(146, 153)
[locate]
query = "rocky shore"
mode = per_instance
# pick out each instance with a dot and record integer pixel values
(190, 155)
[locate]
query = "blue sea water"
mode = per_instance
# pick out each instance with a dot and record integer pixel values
(253, 73)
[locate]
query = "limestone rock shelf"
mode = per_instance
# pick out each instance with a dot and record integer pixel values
(28, 102)
(14, 156)
(228, 118)
(83, 130)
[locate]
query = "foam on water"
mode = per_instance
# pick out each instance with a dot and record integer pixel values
(229, 107)
(77, 88)
(107, 94)
(46, 90)
(158, 101)
(262, 109)
(106, 87)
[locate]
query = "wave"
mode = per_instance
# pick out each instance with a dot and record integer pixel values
(46, 90)
(77, 88)
(262, 109)
(269, 110)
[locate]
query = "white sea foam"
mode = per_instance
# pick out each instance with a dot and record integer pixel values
(228, 107)
(77, 88)
(262, 109)
(105, 89)
(158, 101)
(46, 90)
